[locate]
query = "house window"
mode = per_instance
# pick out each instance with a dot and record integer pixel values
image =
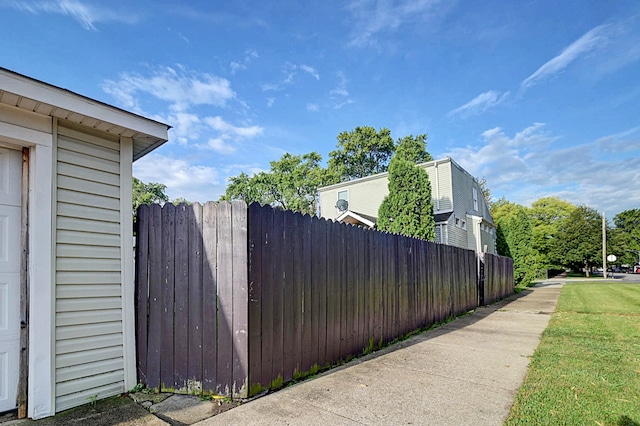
(464, 225)
(342, 204)
(475, 199)
(457, 221)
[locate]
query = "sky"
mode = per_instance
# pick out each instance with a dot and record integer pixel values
(540, 98)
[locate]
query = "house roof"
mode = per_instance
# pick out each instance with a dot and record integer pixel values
(356, 219)
(386, 174)
(36, 96)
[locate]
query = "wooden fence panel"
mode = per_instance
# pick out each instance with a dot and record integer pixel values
(154, 339)
(210, 296)
(142, 292)
(233, 299)
(240, 302)
(168, 296)
(196, 297)
(256, 241)
(181, 299)
(268, 290)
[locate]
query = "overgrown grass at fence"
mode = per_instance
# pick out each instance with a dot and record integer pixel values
(586, 370)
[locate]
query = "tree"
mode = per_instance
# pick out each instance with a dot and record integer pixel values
(413, 149)
(361, 152)
(546, 215)
(486, 191)
(292, 184)
(148, 193)
(627, 236)
(408, 208)
(580, 239)
(514, 235)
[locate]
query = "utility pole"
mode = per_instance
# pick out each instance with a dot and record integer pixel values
(604, 246)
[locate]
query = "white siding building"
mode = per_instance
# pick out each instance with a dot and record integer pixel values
(461, 213)
(66, 254)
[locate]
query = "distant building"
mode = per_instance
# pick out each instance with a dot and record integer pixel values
(461, 213)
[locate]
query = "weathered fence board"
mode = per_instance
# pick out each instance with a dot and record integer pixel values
(234, 299)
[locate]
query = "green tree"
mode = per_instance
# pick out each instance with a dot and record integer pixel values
(361, 152)
(546, 215)
(580, 239)
(408, 208)
(148, 193)
(292, 184)
(626, 236)
(413, 149)
(514, 235)
(486, 191)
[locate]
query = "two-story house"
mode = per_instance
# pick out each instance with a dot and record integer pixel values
(461, 213)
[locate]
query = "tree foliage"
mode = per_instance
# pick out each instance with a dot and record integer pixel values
(291, 184)
(514, 237)
(580, 239)
(359, 153)
(408, 208)
(546, 216)
(625, 237)
(413, 149)
(148, 193)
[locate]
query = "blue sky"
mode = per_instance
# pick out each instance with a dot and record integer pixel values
(541, 98)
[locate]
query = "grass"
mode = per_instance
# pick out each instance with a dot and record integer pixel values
(586, 370)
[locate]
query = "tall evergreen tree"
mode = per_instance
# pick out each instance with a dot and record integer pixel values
(408, 208)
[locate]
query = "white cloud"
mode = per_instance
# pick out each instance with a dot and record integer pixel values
(527, 167)
(310, 70)
(592, 40)
(217, 123)
(249, 56)
(178, 86)
(183, 91)
(373, 17)
(313, 107)
(182, 178)
(340, 94)
(290, 71)
(219, 145)
(270, 102)
(87, 15)
(481, 103)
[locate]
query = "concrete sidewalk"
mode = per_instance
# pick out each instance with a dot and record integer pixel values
(465, 372)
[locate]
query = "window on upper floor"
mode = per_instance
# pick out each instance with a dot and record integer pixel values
(475, 199)
(343, 195)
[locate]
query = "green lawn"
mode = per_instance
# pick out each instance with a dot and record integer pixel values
(586, 370)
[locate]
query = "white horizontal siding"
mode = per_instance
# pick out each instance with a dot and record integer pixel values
(78, 237)
(83, 290)
(103, 315)
(89, 369)
(87, 304)
(65, 402)
(94, 251)
(88, 357)
(88, 343)
(89, 332)
(84, 199)
(88, 278)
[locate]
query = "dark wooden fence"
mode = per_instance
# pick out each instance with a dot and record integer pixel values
(498, 277)
(233, 299)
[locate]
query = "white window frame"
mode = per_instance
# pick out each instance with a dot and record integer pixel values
(475, 199)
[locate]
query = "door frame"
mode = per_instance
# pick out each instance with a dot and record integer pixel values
(40, 271)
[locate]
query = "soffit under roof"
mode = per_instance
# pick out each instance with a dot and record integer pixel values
(42, 98)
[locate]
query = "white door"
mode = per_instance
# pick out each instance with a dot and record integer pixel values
(10, 179)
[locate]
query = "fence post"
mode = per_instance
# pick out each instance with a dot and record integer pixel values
(480, 279)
